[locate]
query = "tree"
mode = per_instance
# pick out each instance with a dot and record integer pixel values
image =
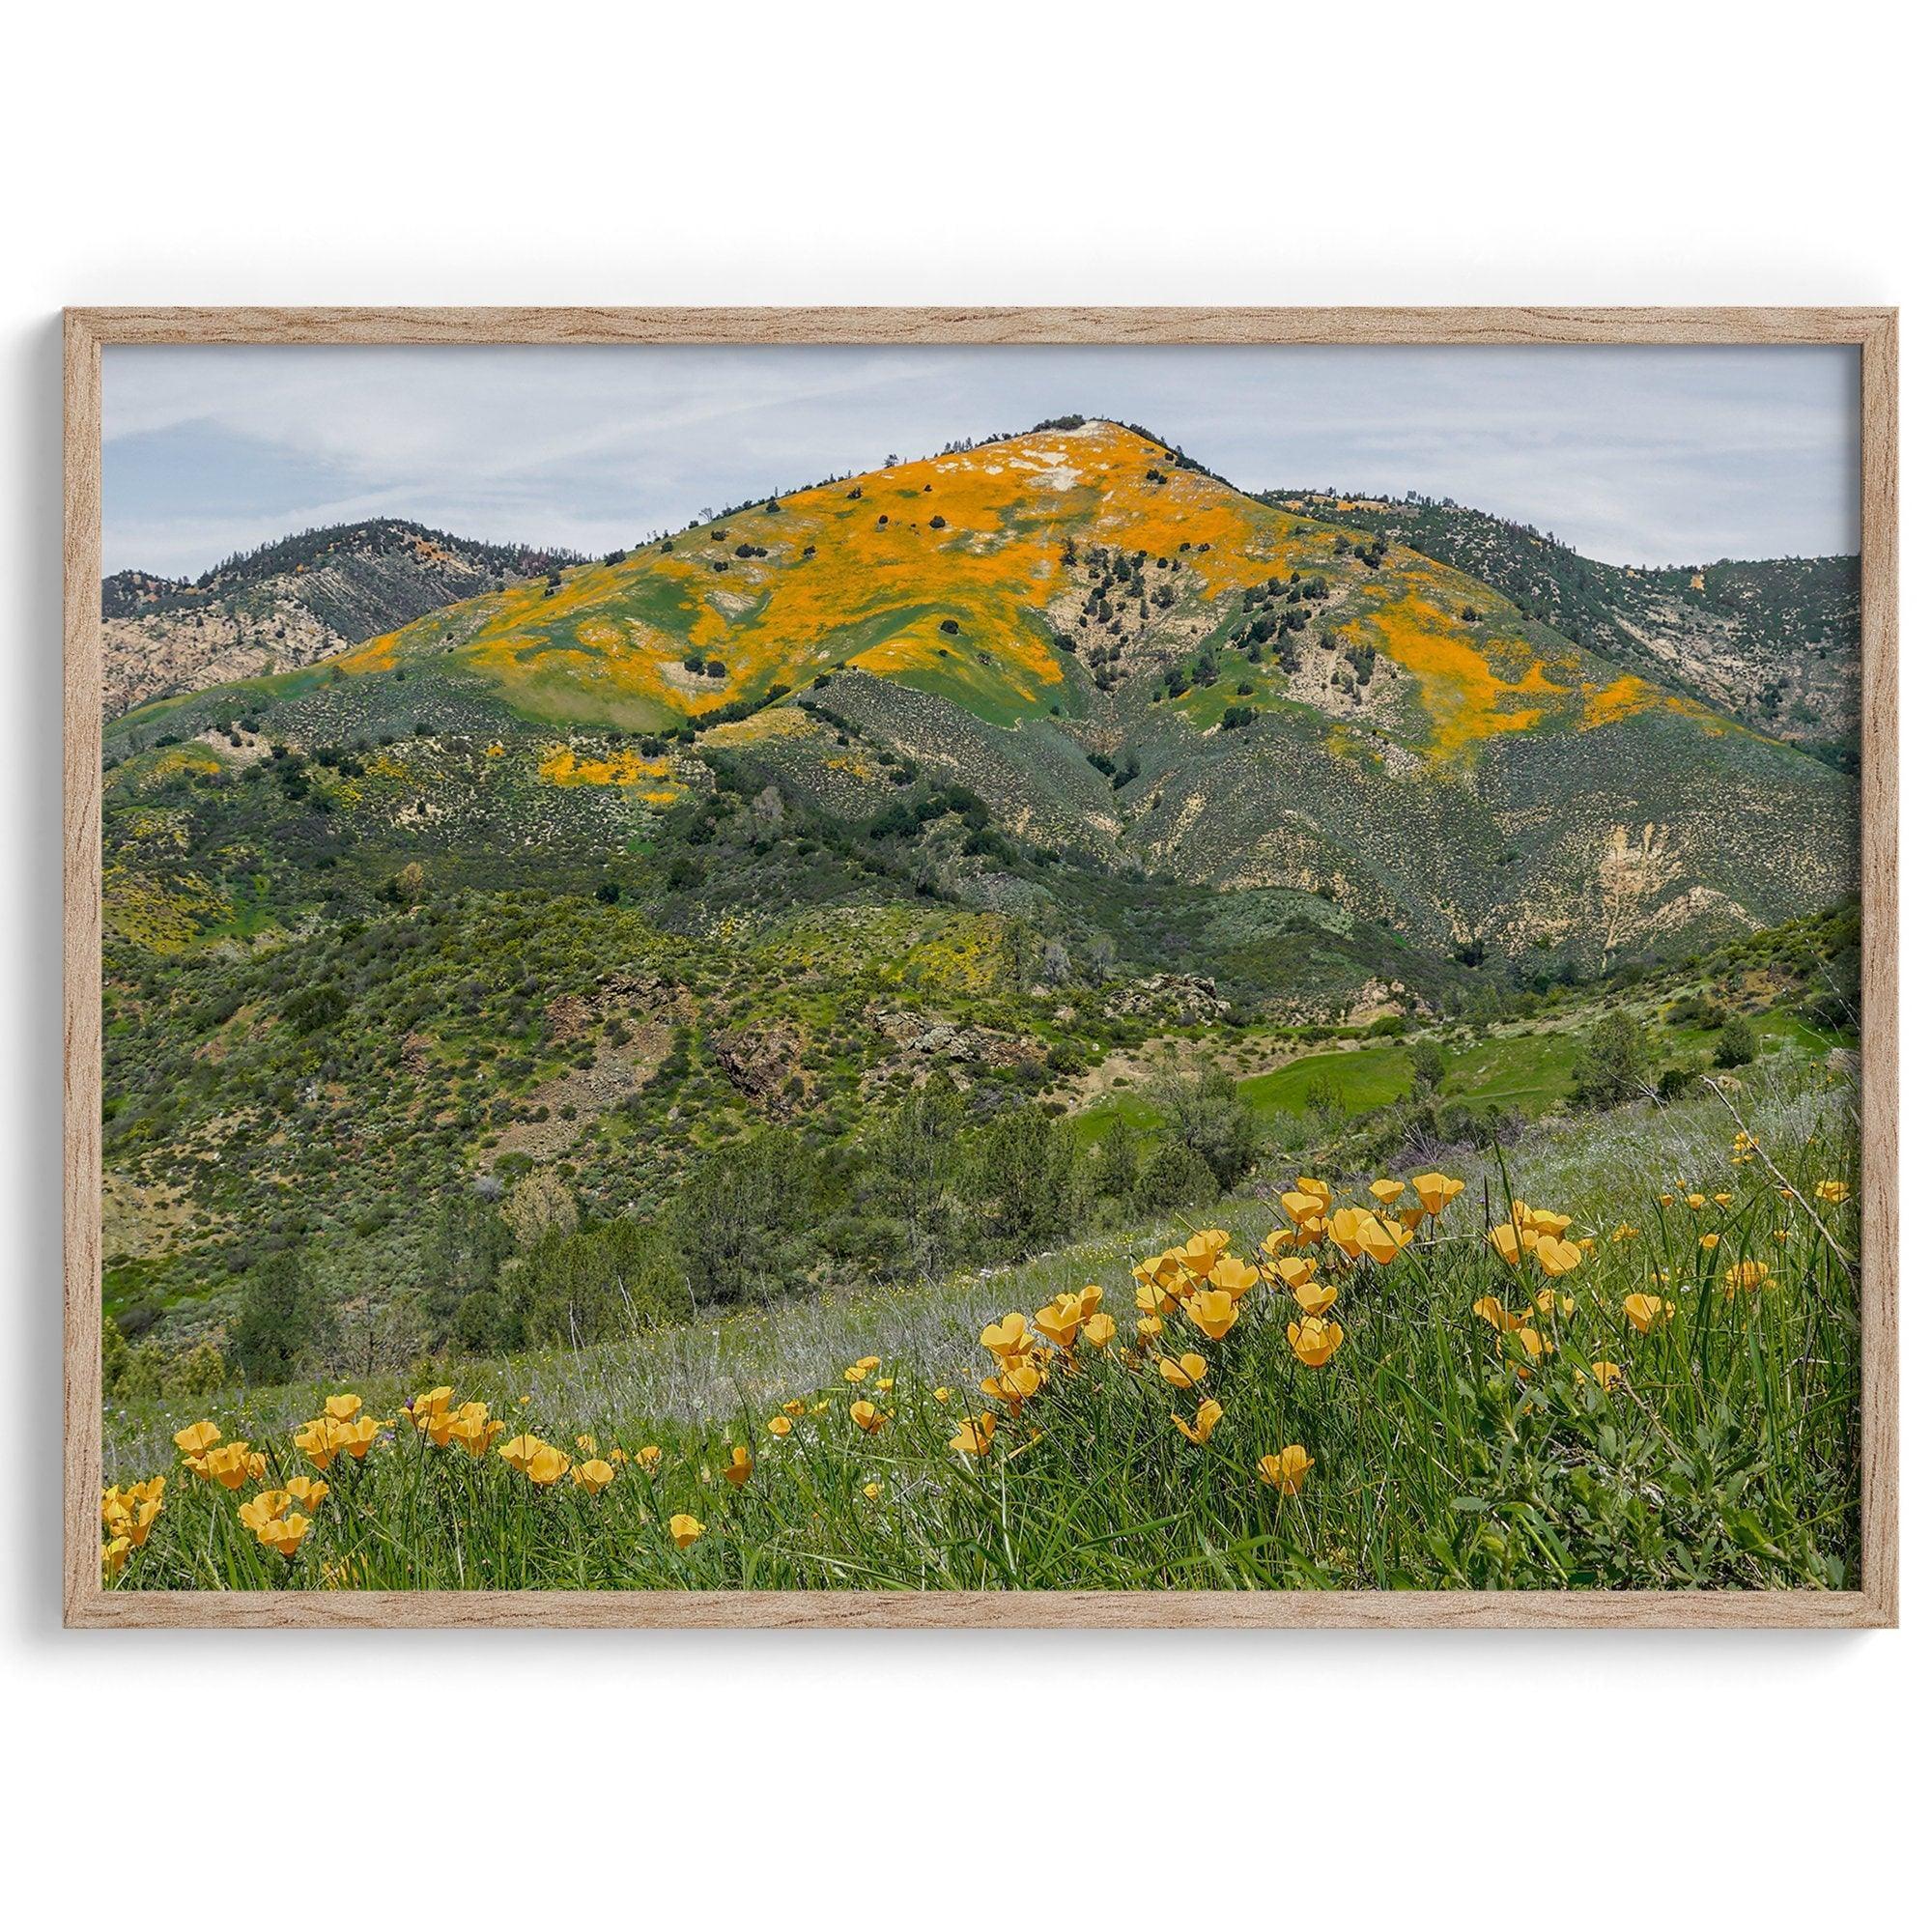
(1116, 1165)
(466, 1247)
(1208, 1116)
(541, 1202)
(1737, 1043)
(1174, 1175)
(743, 1225)
(283, 1318)
(909, 1180)
(1426, 1064)
(1021, 1180)
(1611, 1068)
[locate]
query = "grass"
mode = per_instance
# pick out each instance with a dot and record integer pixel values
(1724, 1454)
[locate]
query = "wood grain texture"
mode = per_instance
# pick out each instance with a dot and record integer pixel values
(87, 1604)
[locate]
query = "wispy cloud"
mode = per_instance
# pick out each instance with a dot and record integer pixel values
(1635, 455)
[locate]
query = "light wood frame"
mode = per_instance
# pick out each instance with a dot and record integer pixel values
(1873, 331)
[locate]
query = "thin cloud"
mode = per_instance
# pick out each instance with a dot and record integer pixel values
(1633, 455)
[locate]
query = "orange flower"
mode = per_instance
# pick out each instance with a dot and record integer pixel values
(1436, 1191)
(1315, 1340)
(1006, 1337)
(1287, 1469)
(974, 1439)
(1315, 1297)
(1647, 1311)
(1213, 1312)
(868, 1415)
(1202, 1426)
(738, 1470)
(1187, 1372)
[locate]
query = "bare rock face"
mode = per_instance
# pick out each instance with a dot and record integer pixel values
(1180, 999)
(764, 1065)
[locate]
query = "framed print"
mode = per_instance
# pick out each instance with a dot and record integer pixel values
(985, 967)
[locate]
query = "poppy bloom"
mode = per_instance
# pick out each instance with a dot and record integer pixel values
(1387, 1191)
(1287, 1469)
(1436, 1191)
(114, 1555)
(1548, 1302)
(308, 1491)
(1202, 1426)
(780, 1424)
(648, 1457)
(1213, 1312)
(1007, 1336)
(265, 1509)
(1303, 1209)
(1189, 1372)
(1153, 1298)
(1098, 1330)
(1200, 1252)
(868, 1415)
(341, 1407)
(974, 1439)
(685, 1530)
(1149, 1326)
(1233, 1276)
(872, 1491)
(1831, 1192)
(312, 1440)
(1709, 1240)
(429, 1406)
(1059, 1319)
(197, 1438)
(1496, 1314)
(283, 1534)
(547, 1467)
(1647, 1311)
(521, 1451)
(593, 1476)
(1503, 1238)
(1533, 1343)
(1555, 1256)
(738, 1470)
(1292, 1271)
(1315, 1340)
(942, 1396)
(1748, 1276)
(1315, 1297)
(1608, 1374)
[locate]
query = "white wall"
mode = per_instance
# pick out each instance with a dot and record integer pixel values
(735, 154)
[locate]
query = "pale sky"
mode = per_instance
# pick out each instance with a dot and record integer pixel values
(1633, 455)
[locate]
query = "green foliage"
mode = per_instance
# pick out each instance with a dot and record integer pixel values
(1737, 1042)
(1612, 1068)
(282, 1320)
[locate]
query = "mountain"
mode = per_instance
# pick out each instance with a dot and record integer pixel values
(676, 878)
(1773, 643)
(1127, 659)
(288, 603)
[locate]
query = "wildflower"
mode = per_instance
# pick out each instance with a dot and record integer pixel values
(1314, 1297)
(1831, 1192)
(1387, 1192)
(1647, 1311)
(884, 1385)
(310, 1491)
(1623, 1232)
(1293, 1271)
(974, 1439)
(1202, 1425)
(1006, 1337)
(1608, 1374)
(1723, 1200)
(1099, 1330)
(474, 1428)
(1213, 1312)
(1709, 1240)
(685, 1530)
(230, 1466)
(794, 1407)
(1548, 1301)
(520, 1451)
(1202, 1251)
(1436, 1191)
(1533, 1343)
(862, 1368)
(114, 1555)
(1555, 1256)
(1693, 1201)
(312, 1440)
(355, 1438)
(942, 1395)
(264, 1510)
(427, 1405)
(1321, 1190)
(1315, 1340)
(1189, 1372)
(780, 1424)
(1233, 1276)
(341, 1407)
(197, 1438)
(589, 1444)
(1665, 1199)
(1780, 1234)
(1303, 1206)
(872, 1491)
(547, 1467)
(1496, 1314)
(1503, 1238)
(869, 1416)
(1059, 1319)
(1153, 1299)
(1748, 1276)
(283, 1534)
(593, 1475)
(738, 1470)
(1149, 1326)
(1287, 1469)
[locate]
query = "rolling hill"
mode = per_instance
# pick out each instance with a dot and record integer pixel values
(288, 603)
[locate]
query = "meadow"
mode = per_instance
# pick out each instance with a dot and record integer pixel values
(1622, 1353)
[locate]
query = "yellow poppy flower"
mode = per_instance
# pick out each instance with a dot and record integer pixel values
(1287, 1469)
(1387, 1191)
(547, 1467)
(1707, 1241)
(1189, 1372)
(1313, 1340)
(1647, 1311)
(1202, 1426)
(1503, 1238)
(1748, 1276)
(869, 1416)
(1233, 1276)
(587, 1444)
(1555, 1256)
(1548, 1301)
(1098, 1330)
(1533, 1343)
(1059, 1319)
(431, 1403)
(354, 1438)
(283, 1534)
(1006, 1337)
(1303, 1208)
(1608, 1374)
(310, 1491)
(974, 1439)
(197, 1438)
(1723, 1200)
(942, 1395)
(1154, 1299)
(593, 1475)
(341, 1407)
(1496, 1314)
(780, 1424)
(1693, 1201)
(1293, 1270)
(1315, 1297)
(1213, 1312)
(738, 1470)
(1831, 1192)
(794, 1407)
(521, 1451)
(1200, 1252)
(264, 1508)
(1436, 1191)
(1321, 1190)
(872, 1491)
(114, 1556)
(1149, 1326)
(685, 1530)
(1623, 1232)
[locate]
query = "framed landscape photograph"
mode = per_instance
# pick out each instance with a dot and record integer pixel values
(984, 967)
